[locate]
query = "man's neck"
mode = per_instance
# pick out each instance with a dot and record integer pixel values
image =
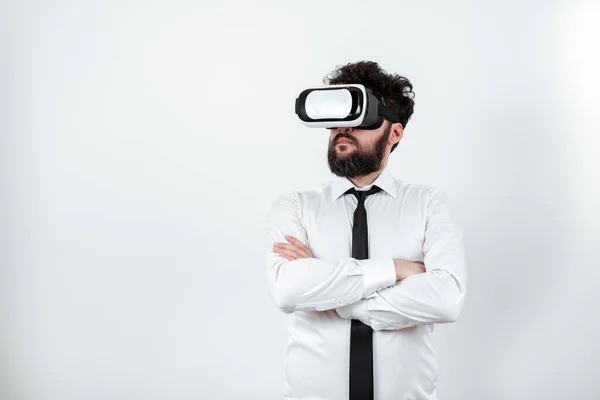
(364, 180)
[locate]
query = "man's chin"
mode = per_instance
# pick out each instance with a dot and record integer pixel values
(340, 157)
(350, 149)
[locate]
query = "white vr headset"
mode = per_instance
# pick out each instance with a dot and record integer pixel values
(348, 105)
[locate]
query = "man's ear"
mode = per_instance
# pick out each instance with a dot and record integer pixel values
(396, 132)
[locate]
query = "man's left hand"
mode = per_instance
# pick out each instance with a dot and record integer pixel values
(293, 250)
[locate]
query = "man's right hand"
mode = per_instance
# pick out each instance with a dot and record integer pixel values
(405, 268)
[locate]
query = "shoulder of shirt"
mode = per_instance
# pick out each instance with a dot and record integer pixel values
(419, 189)
(307, 194)
(314, 191)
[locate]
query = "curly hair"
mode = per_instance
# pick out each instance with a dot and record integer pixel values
(395, 90)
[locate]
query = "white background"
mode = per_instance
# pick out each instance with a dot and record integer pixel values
(142, 144)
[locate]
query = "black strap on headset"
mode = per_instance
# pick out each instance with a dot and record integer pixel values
(384, 111)
(387, 113)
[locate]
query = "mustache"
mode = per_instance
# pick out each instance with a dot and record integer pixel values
(343, 136)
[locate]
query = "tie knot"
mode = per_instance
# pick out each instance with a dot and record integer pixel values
(361, 195)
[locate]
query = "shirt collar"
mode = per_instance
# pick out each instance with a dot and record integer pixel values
(385, 181)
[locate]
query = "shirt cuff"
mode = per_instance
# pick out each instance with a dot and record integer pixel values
(377, 274)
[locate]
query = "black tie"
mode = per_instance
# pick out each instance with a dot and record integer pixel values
(361, 335)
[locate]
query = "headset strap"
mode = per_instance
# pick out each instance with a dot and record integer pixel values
(387, 113)
(384, 111)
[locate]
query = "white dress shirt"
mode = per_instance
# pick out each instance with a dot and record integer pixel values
(322, 294)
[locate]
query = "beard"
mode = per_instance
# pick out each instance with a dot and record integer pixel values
(358, 162)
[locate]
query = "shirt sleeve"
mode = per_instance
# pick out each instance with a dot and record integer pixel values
(436, 296)
(313, 284)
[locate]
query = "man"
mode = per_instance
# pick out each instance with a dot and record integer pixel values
(414, 277)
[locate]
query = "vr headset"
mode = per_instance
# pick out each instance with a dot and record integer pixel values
(348, 105)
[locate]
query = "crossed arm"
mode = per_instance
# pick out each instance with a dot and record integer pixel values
(368, 290)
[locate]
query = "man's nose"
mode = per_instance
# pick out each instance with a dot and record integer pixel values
(345, 129)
